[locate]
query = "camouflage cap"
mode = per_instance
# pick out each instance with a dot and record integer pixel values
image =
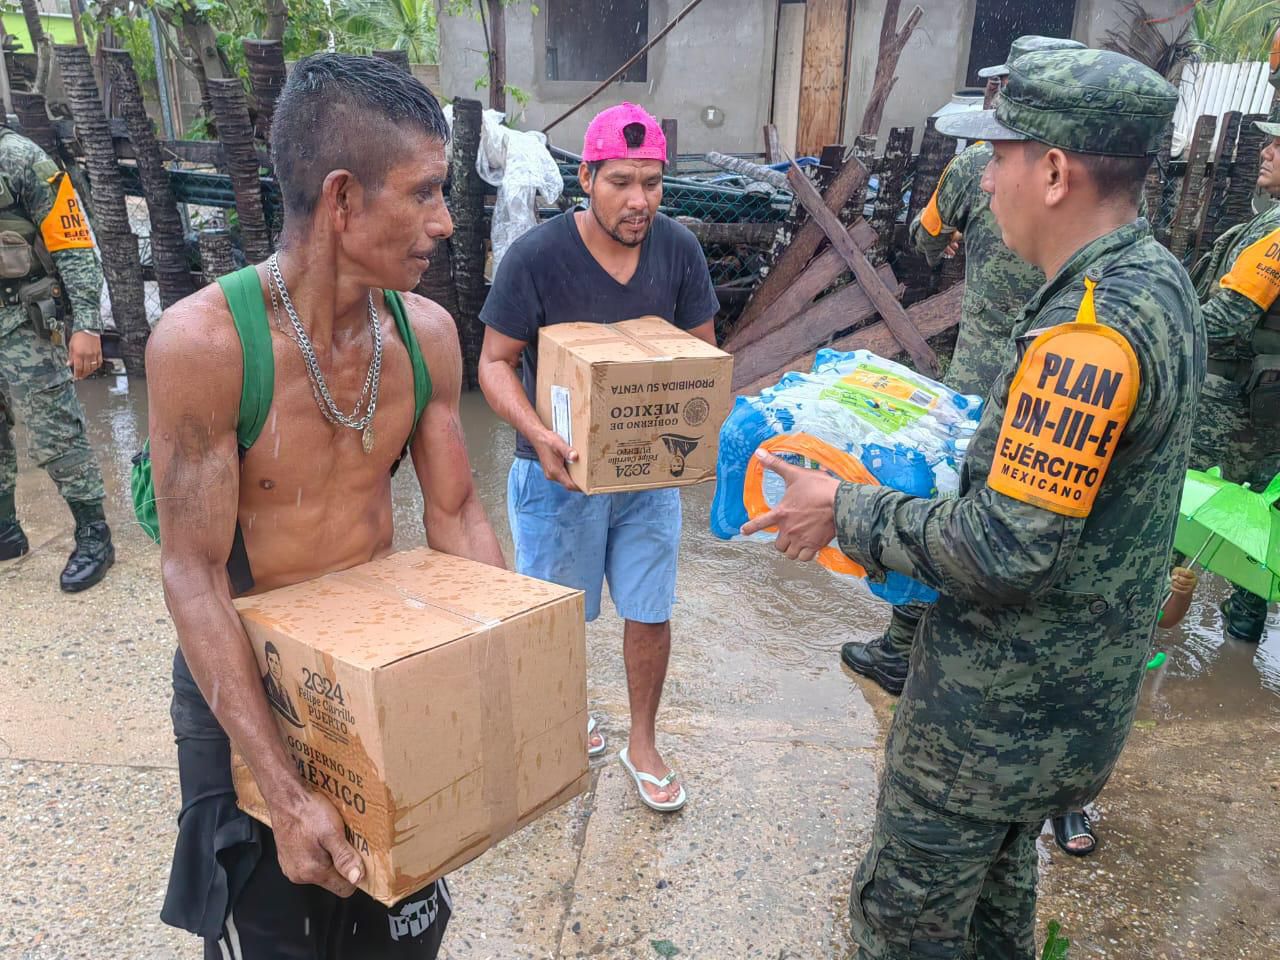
(1029, 44)
(1085, 101)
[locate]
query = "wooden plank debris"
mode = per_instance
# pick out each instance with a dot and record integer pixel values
(890, 309)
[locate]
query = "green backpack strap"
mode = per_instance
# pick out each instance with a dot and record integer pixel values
(243, 291)
(421, 376)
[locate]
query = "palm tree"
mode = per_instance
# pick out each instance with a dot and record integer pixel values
(408, 25)
(1231, 30)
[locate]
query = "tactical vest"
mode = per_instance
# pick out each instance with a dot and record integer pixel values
(23, 255)
(28, 273)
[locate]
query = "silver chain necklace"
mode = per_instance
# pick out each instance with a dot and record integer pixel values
(291, 336)
(324, 400)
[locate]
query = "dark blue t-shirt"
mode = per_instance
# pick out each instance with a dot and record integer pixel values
(549, 276)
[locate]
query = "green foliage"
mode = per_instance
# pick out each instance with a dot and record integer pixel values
(1231, 30)
(200, 129)
(458, 8)
(131, 34)
(408, 25)
(309, 26)
(1055, 946)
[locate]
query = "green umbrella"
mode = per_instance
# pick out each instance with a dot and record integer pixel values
(1232, 531)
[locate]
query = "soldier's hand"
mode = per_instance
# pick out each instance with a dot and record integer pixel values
(312, 847)
(84, 354)
(953, 247)
(555, 455)
(805, 516)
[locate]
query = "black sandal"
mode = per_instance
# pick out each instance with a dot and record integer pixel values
(1074, 826)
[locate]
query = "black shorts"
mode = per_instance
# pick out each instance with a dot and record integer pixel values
(226, 884)
(278, 919)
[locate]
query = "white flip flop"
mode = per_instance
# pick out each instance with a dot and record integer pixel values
(641, 778)
(591, 729)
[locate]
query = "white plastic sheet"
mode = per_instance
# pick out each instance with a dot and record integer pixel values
(518, 163)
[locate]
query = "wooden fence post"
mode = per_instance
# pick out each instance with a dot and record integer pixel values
(1186, 221)
(892, 173)
(1244, 172)
(1216, 194)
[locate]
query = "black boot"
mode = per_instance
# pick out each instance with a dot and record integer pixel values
(878, 661)
(13, 542)
(1244, 616)
(94, 554)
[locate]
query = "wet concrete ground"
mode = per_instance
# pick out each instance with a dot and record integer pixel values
(778, 745)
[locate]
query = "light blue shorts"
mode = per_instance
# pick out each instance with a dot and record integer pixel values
(575, 540)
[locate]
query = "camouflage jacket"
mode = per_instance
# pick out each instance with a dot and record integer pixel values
(28, 172)
(1233, 311)
(997, 281)
(1025, 674)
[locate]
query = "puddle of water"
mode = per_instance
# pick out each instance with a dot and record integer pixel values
(762, 608)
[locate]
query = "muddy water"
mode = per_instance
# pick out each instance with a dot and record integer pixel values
(1186, 866)
(741, 586)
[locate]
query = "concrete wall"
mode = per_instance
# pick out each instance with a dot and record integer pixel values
(723, 55)
(932, 66)
(720, 55)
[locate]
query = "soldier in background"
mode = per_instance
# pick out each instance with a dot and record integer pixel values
(997, 283)
(1238, 427)
(50, 332)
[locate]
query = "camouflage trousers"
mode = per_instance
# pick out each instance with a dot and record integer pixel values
(902, 626)
(40, 382)
(935, 885)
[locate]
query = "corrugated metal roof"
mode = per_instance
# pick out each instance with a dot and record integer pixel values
(1216, 89)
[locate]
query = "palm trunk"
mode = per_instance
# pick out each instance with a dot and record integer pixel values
(117, 242)
(399, 57)
(266, 76)
(168, 245)
(41, 45)
(34, 117)
(466, 201)
(216, 257)
(236, 133)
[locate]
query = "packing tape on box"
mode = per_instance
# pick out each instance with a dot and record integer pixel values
(500, 790)
(644, 345)
(498, 740)
(412, 598)
(614, 329)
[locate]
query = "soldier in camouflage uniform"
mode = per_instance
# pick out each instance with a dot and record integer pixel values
(46, 263)
(997, 283)
(1238, 427)
(1051, 562)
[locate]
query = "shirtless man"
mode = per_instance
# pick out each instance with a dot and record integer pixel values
(359, 153)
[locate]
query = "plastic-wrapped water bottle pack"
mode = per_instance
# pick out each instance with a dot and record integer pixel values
(862, 418)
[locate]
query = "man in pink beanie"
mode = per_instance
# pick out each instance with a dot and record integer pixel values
(618, 259)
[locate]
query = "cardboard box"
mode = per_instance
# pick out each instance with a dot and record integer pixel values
(641, 401)
(440, 703)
